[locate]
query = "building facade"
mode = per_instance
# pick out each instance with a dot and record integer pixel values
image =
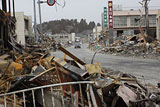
(97, 32)
(24, 28)
(64, 37)
(126, 22)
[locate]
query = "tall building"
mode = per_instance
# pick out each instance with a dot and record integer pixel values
(24, 29)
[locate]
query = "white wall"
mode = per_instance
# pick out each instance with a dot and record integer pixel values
(97, 31)
(30, 26)
(20, 27)
(73, 37)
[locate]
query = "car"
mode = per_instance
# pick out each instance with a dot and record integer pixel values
(77, 45)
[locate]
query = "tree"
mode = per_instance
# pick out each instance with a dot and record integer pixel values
(82, 25)
(91, 25)
(69, 26)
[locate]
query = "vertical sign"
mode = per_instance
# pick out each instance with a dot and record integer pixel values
(110, 14)
(105, 17)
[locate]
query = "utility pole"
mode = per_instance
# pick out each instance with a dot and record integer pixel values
(35, 22)
(146, 16)
(51, 3)
(40, 19)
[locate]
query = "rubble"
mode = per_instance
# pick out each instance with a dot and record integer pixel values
(133, 46)
(35, 78)
(31, 77)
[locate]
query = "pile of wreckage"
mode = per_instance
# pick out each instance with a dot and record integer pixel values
(134, 45)
(31, 77)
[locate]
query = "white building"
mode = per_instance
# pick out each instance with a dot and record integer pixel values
(73, 35)
(97, 32)
(125, 22)
(24, 29)
(64, 37)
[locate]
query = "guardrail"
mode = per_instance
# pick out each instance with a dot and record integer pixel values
(51, 96)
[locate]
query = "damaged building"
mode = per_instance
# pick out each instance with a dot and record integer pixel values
(126, 22)
(23, 29)
(7, 24)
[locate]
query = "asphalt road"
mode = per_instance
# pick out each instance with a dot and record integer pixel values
(148, 68)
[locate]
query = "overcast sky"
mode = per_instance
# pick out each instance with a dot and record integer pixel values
(76, 9)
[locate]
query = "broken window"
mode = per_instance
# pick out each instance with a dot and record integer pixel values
(120, 21)
(26, 24)
(152, 20)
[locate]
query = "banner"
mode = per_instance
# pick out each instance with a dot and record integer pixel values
(110, 14)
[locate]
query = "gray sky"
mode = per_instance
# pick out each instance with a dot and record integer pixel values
(76, 9)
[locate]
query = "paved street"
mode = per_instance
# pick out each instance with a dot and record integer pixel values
(149, 68)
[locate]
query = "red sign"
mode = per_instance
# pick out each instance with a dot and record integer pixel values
(51, 2)
(110, 14)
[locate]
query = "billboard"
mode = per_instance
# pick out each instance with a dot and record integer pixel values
(110, 14)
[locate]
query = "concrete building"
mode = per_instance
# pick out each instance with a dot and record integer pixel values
(73, 36)
(64, 38)
(97, 32)
(24, 29)
(125, 22)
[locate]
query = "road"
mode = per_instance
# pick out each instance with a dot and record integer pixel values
(148, 68)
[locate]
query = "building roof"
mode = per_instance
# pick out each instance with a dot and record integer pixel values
(133, 12)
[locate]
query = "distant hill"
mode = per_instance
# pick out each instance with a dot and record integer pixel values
(67, 26)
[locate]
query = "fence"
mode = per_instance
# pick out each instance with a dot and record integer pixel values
(69, 94)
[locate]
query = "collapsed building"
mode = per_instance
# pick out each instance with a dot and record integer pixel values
(7, 24)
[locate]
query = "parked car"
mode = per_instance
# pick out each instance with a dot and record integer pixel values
(77, 45)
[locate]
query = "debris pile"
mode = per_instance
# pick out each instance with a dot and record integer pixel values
(132, 46)
(33, 78)
(7, 28)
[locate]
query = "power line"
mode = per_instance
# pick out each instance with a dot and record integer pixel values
(140, 7)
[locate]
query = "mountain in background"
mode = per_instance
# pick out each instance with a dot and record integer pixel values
(67, 26)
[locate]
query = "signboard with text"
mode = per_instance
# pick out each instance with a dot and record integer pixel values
(110, 14)
(51, 2)
(105, 17)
